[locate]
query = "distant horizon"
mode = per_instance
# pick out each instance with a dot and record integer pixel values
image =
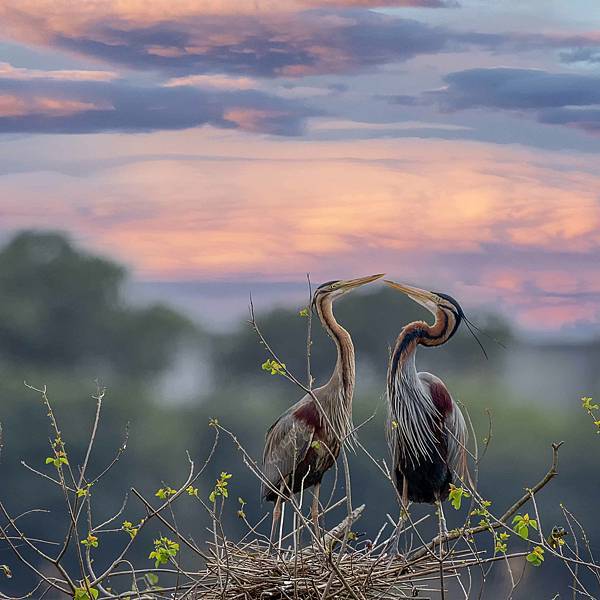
(221, 305)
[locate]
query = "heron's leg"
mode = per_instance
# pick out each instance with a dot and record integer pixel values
(275, 519)
(314, 510)
(276, 515)
(440, 508)
(404, 504)
(281, 526)
(442, 533)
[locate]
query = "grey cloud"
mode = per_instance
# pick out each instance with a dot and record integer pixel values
(314, 41)
(587, 55)
(118, 106)
(550, 98)
(329, 36)
(586, 119)
(515, 89)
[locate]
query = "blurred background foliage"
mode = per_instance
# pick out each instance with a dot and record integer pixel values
(67, 321)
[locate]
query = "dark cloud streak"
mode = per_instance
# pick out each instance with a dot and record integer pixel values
(550, 98)
(123, 107)
(316, 41)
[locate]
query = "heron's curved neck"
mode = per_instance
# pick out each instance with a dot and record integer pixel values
(420, 332)
(344, 372)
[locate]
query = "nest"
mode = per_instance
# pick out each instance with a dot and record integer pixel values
(254, 570)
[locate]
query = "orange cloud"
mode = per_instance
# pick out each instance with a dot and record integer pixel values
(55, 12)
(497, 225)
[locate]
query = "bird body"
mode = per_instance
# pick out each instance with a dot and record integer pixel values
(305, 441)
(300, 446)
(425, 430)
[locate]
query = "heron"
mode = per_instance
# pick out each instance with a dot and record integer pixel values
(305, 441)
(425, 429)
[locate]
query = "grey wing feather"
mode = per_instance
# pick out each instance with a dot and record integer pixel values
(457, 442)
(286, 444)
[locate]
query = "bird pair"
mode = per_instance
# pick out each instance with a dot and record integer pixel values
(425, 430)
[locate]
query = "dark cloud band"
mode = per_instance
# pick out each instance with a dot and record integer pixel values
(88, 107)
(551, 98)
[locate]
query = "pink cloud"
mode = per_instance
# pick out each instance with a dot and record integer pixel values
(465, 217)
(7, 71)
(15, 106)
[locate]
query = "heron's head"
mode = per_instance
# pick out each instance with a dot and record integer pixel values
(436, 301)
(337, 288)
(432, 301)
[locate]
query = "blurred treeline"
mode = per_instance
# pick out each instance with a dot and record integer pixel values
(65, 322)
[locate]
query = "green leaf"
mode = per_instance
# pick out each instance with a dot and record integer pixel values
(91, 541)
(536, 556)
(81, 593)
(164, 493)
(274, 367)
(164, 548)
(129, 528)
(304, 312)
(152, 578)
(192, 491)
(456, 495)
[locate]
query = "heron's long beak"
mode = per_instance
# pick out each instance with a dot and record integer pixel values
(354, 283)
(423, 297)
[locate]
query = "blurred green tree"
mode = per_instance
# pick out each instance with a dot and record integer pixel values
(62, 307)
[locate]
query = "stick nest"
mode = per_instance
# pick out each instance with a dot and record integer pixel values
(254, 571)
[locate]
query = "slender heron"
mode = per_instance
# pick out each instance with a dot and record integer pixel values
(425, 430)
(306, 439)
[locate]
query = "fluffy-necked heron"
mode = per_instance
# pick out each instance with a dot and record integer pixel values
(425, 430)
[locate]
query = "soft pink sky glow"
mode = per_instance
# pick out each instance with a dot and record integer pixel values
(455, 148)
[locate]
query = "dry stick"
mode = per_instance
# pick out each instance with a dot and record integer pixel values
(314, 536)
(325, 511)
(28, 594)
(39, 552)
(120, 450)
(348, 523)
(88, 549)
(55, 481)
(151, 513)
(586, 541)
(179, 569)
(574, 573)
(99, 397)
(16, 552)
(552, 472)
(73, 511)
(309, 377)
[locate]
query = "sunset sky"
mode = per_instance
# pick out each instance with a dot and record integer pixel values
(452, 144)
